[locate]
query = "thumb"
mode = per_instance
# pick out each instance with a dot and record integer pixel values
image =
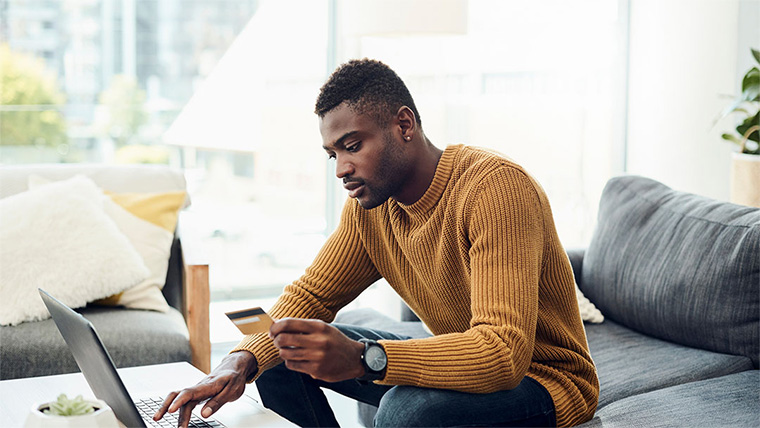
(209, 408)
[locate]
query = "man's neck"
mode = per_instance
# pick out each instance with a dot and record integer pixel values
(422, 174)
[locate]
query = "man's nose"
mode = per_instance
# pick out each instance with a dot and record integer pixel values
(343, 168)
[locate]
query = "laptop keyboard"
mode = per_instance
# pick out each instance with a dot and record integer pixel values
(149, 406)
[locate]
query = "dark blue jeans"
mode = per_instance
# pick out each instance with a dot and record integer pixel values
(299, 398)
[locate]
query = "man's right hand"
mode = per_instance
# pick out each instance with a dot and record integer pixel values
(224, 384)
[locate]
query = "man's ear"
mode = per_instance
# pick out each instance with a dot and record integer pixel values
(407, 123)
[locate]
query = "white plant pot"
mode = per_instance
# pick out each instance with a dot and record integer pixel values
(101, 418)
(745, 179)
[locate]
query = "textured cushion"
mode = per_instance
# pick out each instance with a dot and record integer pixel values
(589, 312)
(148, 221)
(58, 238)
(729, 401)
(629, 363)
(132, 337)
(677, 266)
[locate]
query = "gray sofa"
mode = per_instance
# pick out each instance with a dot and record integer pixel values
(677, 277)
(133, 337)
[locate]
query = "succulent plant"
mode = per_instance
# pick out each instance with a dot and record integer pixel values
(64, 406)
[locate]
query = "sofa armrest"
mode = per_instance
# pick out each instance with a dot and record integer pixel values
(576, 261)
(187, 290)
(196, 312)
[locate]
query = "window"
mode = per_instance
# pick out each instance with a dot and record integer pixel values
(542, 82)
(224, 89)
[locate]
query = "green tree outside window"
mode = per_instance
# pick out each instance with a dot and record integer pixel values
(30, 102)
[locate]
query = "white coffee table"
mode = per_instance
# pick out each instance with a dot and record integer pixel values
(17, 396)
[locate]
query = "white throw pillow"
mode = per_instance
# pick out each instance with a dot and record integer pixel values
(589, 312)
(58, 238)
(148, 220)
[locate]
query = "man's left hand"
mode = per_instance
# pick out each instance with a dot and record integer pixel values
(317, 349)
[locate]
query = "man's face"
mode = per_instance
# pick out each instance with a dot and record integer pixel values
(368, 158)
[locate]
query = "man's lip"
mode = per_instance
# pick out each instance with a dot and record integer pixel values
(351, 185)
(354, 188)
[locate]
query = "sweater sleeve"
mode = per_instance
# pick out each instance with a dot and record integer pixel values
(505, 224)
(339, 273)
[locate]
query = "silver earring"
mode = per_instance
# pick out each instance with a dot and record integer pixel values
(408, 138)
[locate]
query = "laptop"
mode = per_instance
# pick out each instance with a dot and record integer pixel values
(100, 372)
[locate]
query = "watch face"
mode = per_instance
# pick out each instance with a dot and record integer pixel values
(375, 358)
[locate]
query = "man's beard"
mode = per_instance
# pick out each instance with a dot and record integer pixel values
(391, 176)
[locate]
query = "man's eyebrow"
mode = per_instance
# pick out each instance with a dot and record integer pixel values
(339, 141)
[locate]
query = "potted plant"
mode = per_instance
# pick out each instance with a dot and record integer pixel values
(745, 167)
(76, 412)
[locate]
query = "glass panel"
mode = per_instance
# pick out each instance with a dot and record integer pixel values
(542, 82)
(223, 89)
(537, 81)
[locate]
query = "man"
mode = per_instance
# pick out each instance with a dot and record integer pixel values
(466, 238)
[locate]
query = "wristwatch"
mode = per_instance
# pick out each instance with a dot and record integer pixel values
(374, 361)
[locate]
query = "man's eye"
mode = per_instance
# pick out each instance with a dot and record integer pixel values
(331, 156)
(353, 147)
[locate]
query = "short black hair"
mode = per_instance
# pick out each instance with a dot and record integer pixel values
(367, 86)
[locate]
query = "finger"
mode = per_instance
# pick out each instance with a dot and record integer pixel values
(295, 354)
(165, 406)
(230, 392)
(185, 412)
(299, 366)
(293, 325)
(185, 397)
(212, 406)
(290, 340)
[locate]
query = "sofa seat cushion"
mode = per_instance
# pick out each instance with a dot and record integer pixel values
(629, 363)
(728, 401)
(132, 337)
(677, 266)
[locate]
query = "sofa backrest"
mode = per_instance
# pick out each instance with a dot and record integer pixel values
(677, 266)
(114, 178)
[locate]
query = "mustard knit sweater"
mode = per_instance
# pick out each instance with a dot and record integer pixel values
(478, 259)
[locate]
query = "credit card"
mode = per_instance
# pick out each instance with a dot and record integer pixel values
(250, 321)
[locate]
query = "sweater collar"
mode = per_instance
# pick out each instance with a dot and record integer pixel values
(434, 192)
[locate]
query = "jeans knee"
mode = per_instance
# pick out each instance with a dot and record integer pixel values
(406, 407)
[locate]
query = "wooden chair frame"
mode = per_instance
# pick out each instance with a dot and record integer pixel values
(196, 299)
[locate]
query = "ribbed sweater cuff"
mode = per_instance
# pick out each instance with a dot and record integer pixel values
(262, 348)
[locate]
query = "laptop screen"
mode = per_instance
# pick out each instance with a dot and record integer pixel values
(93, 360)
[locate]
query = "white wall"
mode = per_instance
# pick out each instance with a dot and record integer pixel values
(683, 56)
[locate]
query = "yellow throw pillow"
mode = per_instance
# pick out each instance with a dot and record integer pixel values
(161, 209)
